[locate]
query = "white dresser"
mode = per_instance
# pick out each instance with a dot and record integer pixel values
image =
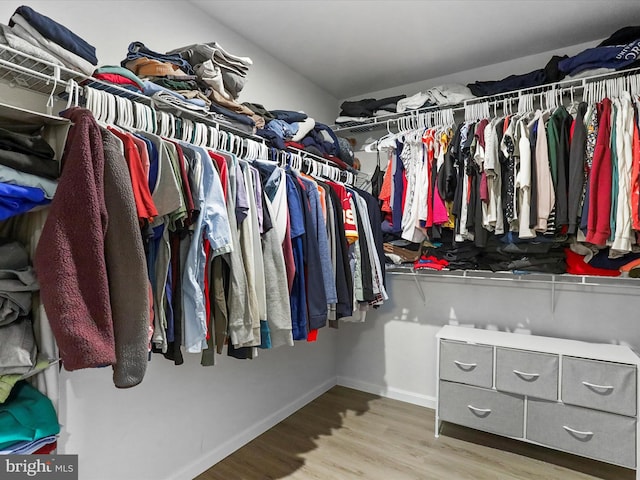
(573, 396)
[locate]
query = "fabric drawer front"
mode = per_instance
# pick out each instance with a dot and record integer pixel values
(486, 410)
(594, 434)
(527, 373)
(601, 385)
(466, 363)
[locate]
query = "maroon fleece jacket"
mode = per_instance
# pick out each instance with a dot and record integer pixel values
(69, 260)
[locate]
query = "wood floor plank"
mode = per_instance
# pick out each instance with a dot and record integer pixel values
(346, 434)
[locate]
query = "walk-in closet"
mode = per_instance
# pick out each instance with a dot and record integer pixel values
(320, 239)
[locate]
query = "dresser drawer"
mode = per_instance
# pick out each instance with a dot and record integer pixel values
(602, 385)
(527, 373)
(599, 435)
(466, 363)
(486, 410)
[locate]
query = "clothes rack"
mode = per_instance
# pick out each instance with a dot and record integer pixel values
(567, 86)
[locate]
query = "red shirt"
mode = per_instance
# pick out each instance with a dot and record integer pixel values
(144, 203)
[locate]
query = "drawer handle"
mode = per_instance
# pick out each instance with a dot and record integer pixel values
(480, 412)
(595, 386)
(577, 432)
(531, 376)
(465, 366)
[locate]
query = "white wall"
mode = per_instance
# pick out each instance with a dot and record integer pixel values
(496, 71)
(394, 352)
(181, 420)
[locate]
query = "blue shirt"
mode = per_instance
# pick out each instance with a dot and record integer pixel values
(212, 223)
(18, 199)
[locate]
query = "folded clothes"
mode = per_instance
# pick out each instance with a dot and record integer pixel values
(193, 95)
(28, 448)
(449, 94)
(154, 90)
(289, 116)
(116, 79)
(12, 176)
(366, 106)
(238, 117)
(602, 260)
(223, 120)
(27, 415)
(149, 67)
(18, 350)
(211, 75)
(59, 34)
(550, 73)
(617, 57)
(139, 50)
(260, 109)
(33, 143)
(407, 255)
(230, 104)
(8, 37)
(25, 31)
(17, 282)
(272, 137)
(201, 52)
(281, 128)
(125, 72)
(18, 199)
(577, 266)
(7, 382)
(346, 119)
(430, 262)
(413, 102)
(176, 85)
(217, 64)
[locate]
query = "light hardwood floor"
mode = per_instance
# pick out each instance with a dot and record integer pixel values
(346, 434)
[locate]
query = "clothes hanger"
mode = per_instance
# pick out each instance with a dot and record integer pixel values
(213, 138)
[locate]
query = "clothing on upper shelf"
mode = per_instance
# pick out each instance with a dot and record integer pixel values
(367, 106)
(53, 38)
(442, 95)
(612, 56)
(221, 70)
(549, 74)
(58, 34)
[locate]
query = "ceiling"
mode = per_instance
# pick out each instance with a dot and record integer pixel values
(352, 47)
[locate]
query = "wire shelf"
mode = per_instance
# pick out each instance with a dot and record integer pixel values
(558, 279)
(22, 70)
(383, 121)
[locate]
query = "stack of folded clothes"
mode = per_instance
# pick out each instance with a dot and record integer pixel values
(398, 251)
(18, 349)
(440, 96)
(123, 77)
(28, 170)
(28, 421)
(223, 72)
(361, 110)
(40, 36)
(202, 78)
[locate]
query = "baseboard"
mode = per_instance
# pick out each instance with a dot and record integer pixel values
(203, 463)
(389, 392)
